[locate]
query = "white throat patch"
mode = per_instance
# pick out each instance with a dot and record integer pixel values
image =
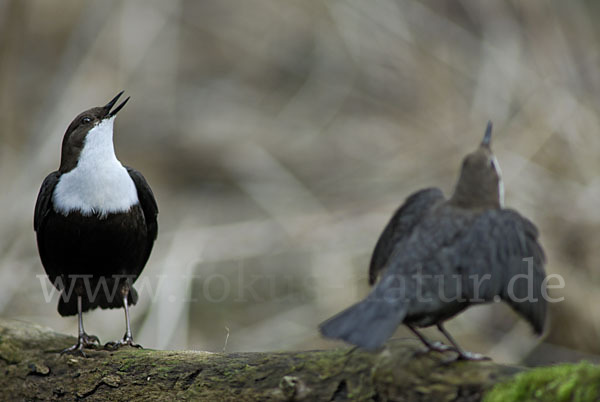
(99, 183)
(500, 182)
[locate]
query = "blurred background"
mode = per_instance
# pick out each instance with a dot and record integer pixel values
(280, 136)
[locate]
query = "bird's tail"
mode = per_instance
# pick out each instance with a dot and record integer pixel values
(67, 303)
(367, 324)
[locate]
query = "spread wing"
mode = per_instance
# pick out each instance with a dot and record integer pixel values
(503, 247)
(400, 226)
(42, 205)
(149, 207)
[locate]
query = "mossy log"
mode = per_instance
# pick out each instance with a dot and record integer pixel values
(32, 369)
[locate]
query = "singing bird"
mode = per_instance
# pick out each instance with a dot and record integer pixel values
(95, 222)
(438, 256)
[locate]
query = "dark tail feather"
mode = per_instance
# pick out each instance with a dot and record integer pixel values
(367, 324)
(68, 305)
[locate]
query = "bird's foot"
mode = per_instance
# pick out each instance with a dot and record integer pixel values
(126, 341)
(84, 341)
(440, 347)
(472, 356)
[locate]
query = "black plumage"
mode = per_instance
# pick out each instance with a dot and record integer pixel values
(94, 257)
(438, 256)
(114, 249)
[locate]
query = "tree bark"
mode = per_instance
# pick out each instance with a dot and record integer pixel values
(33, 369)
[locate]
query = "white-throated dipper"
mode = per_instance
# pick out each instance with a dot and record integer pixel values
(95, 222)
(438, 256)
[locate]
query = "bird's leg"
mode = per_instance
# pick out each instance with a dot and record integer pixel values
(435, 346)
(462, 355)
(83, 340)
(128, 337)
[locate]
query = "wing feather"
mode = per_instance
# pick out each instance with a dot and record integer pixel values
(504, 246)
(400, 226)
(43, 203)
(149, 207)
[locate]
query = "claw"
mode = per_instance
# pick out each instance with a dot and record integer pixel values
(75, 349)
(126, 341)
(462, 355)
(84, 341)
(472, 356)
(91, 340)
(440, 347)
(432, 346)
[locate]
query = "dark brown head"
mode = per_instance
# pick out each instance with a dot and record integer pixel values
(81, 126)
(480, 183)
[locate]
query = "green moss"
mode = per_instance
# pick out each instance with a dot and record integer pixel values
(126, 365)
(326, 364)
(564, 382)
(163, 369)
(10, 351)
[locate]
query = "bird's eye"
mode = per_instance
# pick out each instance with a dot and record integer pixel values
(86, 120)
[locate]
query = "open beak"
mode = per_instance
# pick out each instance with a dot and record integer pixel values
(110, 104)
(487, 137)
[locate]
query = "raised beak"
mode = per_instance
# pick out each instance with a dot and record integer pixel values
(487, 137)
(110, 104)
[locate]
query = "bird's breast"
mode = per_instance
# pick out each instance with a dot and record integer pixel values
(95, 189)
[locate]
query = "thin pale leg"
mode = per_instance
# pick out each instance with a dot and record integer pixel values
(128, 337)
(435, 346)
(462, 355)
(83, 340)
